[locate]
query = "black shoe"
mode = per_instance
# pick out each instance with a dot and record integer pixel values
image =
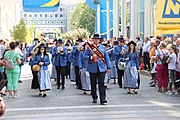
(19, 81)
(40, 94)
(153, 85)
(44, 95)
(94, 101)
(103, 102)
(58, 87)
(120, 86)
(63, 88)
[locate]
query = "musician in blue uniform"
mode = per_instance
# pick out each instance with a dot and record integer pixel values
(118, 52)
(85, 78)
(97, 69)
(113, 73)
(30, 54)
(60, 53)
(75, 57)
(68, 60)
(53, 71)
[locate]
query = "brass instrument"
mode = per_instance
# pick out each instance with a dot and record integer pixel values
(35, 49)
(69, 50)
(60, 50)
(110, 50)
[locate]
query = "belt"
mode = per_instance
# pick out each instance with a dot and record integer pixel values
(159, 63)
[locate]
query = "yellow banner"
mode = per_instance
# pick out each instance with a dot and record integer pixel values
(168, 14)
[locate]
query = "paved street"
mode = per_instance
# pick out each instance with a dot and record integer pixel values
(72, 104)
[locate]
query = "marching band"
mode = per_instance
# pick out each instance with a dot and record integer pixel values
(87, 63)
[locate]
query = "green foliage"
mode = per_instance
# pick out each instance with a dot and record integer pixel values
(78, 33)
(83, 17)
(38, 34)
(19, 31)
(30, 34)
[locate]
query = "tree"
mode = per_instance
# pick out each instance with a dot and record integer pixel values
(83, 17)
(30, 34)
(80, 33)
(19, 31)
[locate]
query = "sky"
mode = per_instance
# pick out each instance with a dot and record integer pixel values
(71, 1)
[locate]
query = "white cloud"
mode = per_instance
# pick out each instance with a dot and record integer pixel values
(71, 1)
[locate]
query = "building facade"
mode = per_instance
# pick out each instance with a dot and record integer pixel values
(47, 21)
(70, 8)
(9, 16)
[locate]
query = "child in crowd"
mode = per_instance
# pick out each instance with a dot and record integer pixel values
(153, 71)
(172, 60)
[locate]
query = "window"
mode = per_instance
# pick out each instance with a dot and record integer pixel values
(34, 22)
(48, 22)
(51, 15)
(30, 15)
(60, 15)
(35, 15)
(25, 15)
(56, 15)
(39, 22)
(40, 15)
(43, 22)
(61, 9)
(45, 15)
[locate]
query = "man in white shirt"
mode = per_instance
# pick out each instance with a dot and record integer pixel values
(146, 49)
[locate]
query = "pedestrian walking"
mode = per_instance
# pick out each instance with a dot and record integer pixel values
(42, 59)
(131, 69)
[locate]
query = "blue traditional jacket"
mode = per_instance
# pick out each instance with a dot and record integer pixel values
(45, 60)
(60, 59)
(74, 56)
(95, 67)
(133, 59)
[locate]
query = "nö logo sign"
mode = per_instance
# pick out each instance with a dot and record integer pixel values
(171, 9)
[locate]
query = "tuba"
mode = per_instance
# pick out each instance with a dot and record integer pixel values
(35, 49)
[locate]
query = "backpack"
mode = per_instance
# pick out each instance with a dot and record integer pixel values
(9, 64)
(164, 59)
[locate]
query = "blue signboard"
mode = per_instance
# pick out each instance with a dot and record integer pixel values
(40, 5)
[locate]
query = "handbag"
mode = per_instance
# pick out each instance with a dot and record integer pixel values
(9, 64)
(36, 68)
(177, 83)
